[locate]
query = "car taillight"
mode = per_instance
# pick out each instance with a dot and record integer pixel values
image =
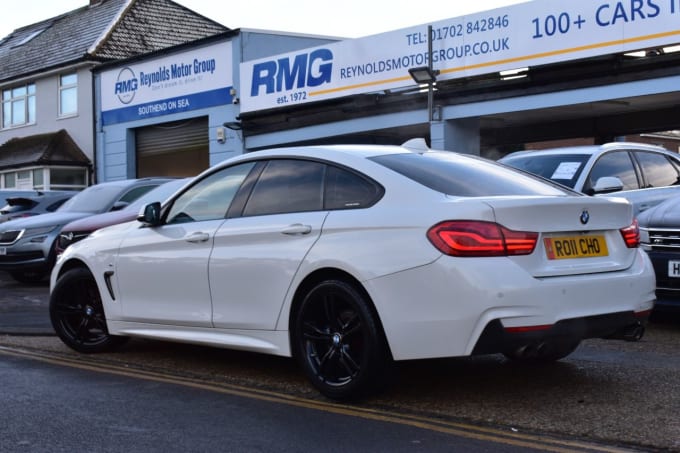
(467, 238)
(631, 235)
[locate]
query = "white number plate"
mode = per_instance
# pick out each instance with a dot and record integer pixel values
(3, 250)
(673, 268)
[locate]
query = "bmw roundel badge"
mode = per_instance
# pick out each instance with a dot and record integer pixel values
(585, 216)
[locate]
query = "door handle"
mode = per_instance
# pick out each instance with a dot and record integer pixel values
(198, 237)
(297, 228)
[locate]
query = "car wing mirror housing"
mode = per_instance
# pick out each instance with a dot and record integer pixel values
(118, 205)
(608, 184)
(150, 214)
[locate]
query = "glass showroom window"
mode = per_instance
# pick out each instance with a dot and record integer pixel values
(18, 106)
(68, 94)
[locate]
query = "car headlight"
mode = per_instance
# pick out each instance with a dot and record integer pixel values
(38, 234)
(71, 237)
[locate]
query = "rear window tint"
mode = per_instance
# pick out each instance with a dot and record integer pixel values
(466, 176)
(563, 168)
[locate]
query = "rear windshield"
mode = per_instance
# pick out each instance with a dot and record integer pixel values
(466, 176)
(562, 168)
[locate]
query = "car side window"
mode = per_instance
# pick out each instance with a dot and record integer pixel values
(657, 170)
(209, 199)
(287, 185)
(617, 164)
(347, 190)
(132, 194)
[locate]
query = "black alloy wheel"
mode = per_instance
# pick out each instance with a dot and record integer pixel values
(77, 313)
(338, 341)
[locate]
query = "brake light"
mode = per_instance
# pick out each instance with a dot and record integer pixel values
(631, 235)
(468, 238)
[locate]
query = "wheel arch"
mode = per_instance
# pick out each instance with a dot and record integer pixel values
(325, 274)
(72, 264)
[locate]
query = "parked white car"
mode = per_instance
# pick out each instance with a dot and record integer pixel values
(643, 174)
(349, 257)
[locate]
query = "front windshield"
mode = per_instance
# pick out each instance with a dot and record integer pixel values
(561, 168)
(94, 199)
(160, 193)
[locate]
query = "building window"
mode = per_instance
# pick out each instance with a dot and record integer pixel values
(38, 179)
(18, 106)
(68, 178)
(68, 94)
(10, 181)
(46, 178)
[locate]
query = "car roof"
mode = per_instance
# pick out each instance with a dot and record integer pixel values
(591, 149)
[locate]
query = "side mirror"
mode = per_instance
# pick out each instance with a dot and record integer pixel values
(608, 184)
(118, 205)
(150, 214)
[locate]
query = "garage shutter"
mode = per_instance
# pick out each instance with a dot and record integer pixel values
(180, 148)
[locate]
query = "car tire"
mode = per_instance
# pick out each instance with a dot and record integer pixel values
(545, 352)
(77, 313)
(339, 343)
(28, 277)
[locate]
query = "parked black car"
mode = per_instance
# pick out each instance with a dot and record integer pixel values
(660, 237)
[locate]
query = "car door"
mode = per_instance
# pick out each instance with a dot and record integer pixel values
(258, 252)
(162, 271)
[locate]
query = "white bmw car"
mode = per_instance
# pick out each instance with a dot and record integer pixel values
(350, 257)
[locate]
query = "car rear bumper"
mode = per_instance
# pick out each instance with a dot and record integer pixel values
(623, 325)
(445, 308)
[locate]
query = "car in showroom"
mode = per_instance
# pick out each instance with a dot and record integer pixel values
(351, 257)
(18, 207)
(643, 174)
(27, 245)
(660, 238)
(79, 229)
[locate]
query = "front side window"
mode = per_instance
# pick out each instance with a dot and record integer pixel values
(210, 198)
(618, 164)
(68, 94)
(18, 106)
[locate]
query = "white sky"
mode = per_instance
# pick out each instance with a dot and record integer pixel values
(342, 18)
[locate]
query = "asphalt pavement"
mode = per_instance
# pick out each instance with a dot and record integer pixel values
(24, 309)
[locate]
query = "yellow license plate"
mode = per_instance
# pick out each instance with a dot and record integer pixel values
(567, 247)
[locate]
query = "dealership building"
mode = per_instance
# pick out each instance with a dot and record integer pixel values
(486, 84)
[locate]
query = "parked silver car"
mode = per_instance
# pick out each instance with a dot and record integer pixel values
(643, 174)
(27, 245)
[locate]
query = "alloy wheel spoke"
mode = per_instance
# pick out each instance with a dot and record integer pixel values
(325, 361)
(68, 309)
(82, 332)
(349, 363)
(352, 325)
(331, 311)
(312, 332)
